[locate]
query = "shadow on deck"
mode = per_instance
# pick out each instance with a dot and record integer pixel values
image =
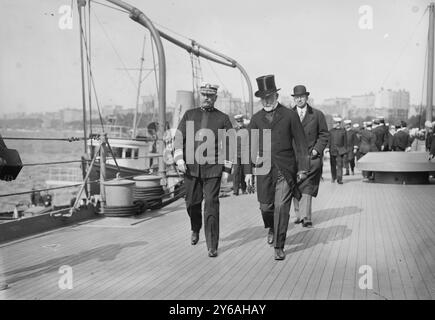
(390, 228)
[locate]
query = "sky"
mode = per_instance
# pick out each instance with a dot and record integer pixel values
(317, 43)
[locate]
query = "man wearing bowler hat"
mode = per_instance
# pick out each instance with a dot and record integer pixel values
(203, 170)
(277, 176)
(317, 135)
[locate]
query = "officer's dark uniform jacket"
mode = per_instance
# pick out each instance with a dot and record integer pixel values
(337, 142)
(401, 141)
(352, 142)
(285, 128)
(367, 142)
(187, 146)
(381, 133)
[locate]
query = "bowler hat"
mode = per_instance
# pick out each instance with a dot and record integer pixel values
(300, 90)
(266, 86)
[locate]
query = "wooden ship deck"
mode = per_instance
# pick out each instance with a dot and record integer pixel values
(390, 228)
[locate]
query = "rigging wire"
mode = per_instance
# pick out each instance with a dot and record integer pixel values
(174, 32)
(89, 83)
(48, 139)
(51, 163)
(92, 78)
(403, 49)
(116, 52)
(217, 76)
(105, 5)
(87, 160)
(422, 88)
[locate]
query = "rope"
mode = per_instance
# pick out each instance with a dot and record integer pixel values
(49, 163)
(48, 139)
(80, 161)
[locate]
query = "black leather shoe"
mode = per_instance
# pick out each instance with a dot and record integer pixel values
(307, 224)
(279, 254)
(235, 193)
(212, 253)
(340, 182)
(270, 236)
(333, 180)
(195, 238)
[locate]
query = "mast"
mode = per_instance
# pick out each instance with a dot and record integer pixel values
(138, 89)
(430, 65)
(136, 16)
(80, 5)
(141, 18)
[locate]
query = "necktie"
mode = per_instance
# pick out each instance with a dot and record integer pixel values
(301, 114)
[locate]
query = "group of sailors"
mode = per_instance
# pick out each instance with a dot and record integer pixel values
(375, 136)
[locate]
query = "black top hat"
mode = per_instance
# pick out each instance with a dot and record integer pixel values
(300, 91)
(266, 85)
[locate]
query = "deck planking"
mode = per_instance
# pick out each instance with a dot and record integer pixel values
(391, 228)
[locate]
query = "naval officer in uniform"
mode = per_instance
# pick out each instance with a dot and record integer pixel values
(203, 168)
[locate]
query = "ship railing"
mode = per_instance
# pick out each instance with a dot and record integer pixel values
(72, 177)
(120, 132)
(65, 175)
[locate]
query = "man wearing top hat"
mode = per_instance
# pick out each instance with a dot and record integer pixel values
(337, 147)
(277, 184)
(239, 168)
(203, 172)
(317, 135)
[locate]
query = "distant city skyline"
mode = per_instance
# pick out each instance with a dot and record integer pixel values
(317, 43)
(356, 101)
